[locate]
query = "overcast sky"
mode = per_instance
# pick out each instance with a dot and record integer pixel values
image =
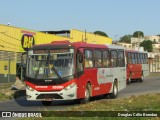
(115, 17)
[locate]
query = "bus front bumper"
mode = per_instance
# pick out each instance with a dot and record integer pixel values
(65, 94)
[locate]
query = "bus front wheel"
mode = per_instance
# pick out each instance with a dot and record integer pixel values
(86, 98)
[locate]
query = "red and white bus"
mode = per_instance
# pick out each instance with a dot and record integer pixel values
(67, 71)
(137, 65)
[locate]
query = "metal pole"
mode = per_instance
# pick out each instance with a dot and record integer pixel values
(8, 69)
(138, 40)
(85, 36)
(158, 63)
(21, 73)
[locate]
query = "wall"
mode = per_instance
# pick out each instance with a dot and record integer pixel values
(76, 35)
(14, 41)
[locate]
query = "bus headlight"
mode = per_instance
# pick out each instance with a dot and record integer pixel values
(29, 88)
(70, 86)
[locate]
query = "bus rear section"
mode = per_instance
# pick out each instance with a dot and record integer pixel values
(137, 65)
(74, 71)
(103, 72)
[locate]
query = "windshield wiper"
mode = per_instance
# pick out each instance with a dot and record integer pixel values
(57, 73)
(68, 76)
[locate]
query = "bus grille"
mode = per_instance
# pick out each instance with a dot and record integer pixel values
(54, 96)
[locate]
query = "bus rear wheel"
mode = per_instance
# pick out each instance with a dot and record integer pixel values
(86, 98)
(129, 79)
(46, 103)
(142, 78)
(114, 91)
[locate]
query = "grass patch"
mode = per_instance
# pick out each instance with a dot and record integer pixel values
(6, 93)
(147, 102)
(99, 109)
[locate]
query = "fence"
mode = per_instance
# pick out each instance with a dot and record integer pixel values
(154, 64)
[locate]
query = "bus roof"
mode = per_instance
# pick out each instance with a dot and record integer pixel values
(66, 43)
(135, 51)
(114, 46)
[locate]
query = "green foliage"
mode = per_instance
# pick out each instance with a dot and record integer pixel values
(147, 45)
(146, 102)
(101, 33)
(126, 39)
(6, 93)
(138, 34)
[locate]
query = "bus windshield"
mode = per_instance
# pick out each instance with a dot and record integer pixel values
(48, 65)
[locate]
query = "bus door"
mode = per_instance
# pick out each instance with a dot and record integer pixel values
(80, 74)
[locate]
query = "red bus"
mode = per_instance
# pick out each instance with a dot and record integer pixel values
(68, 71)
(137, 65)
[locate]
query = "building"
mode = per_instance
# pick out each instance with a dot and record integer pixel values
(81, 36)
(14, 41)
(127, 46)
(156, 48)
(153, 38)
(154, 62)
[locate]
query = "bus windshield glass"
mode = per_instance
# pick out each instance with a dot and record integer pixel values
(50, 64)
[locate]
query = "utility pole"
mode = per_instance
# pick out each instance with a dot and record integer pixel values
(138, 40)
(85, 36)
(116, 37)
(8, 68)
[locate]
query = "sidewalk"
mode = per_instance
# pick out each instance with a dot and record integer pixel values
(153, 74)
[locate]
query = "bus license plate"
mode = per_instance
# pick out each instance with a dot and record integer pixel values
(48, 99)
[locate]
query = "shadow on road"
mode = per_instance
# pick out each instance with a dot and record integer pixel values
(19, 93)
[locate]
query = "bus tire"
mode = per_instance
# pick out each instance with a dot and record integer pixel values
(114, 93)
(129, 79)
(86, 98)
(46, 103)
(142, 77)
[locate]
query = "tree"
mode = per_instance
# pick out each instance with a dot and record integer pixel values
(138, 34)
(126, 39)
(101, 33)
(147, 45)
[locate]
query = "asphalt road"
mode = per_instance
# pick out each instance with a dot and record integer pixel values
(150, 85)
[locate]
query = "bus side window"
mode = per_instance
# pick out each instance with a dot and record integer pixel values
(133, 58)
(114, 58)
(79, 63)
(88, 58)
(146, 58)
(140, 57)
(97, 58)
(106, 59)
(129, 58)
(121, 59)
